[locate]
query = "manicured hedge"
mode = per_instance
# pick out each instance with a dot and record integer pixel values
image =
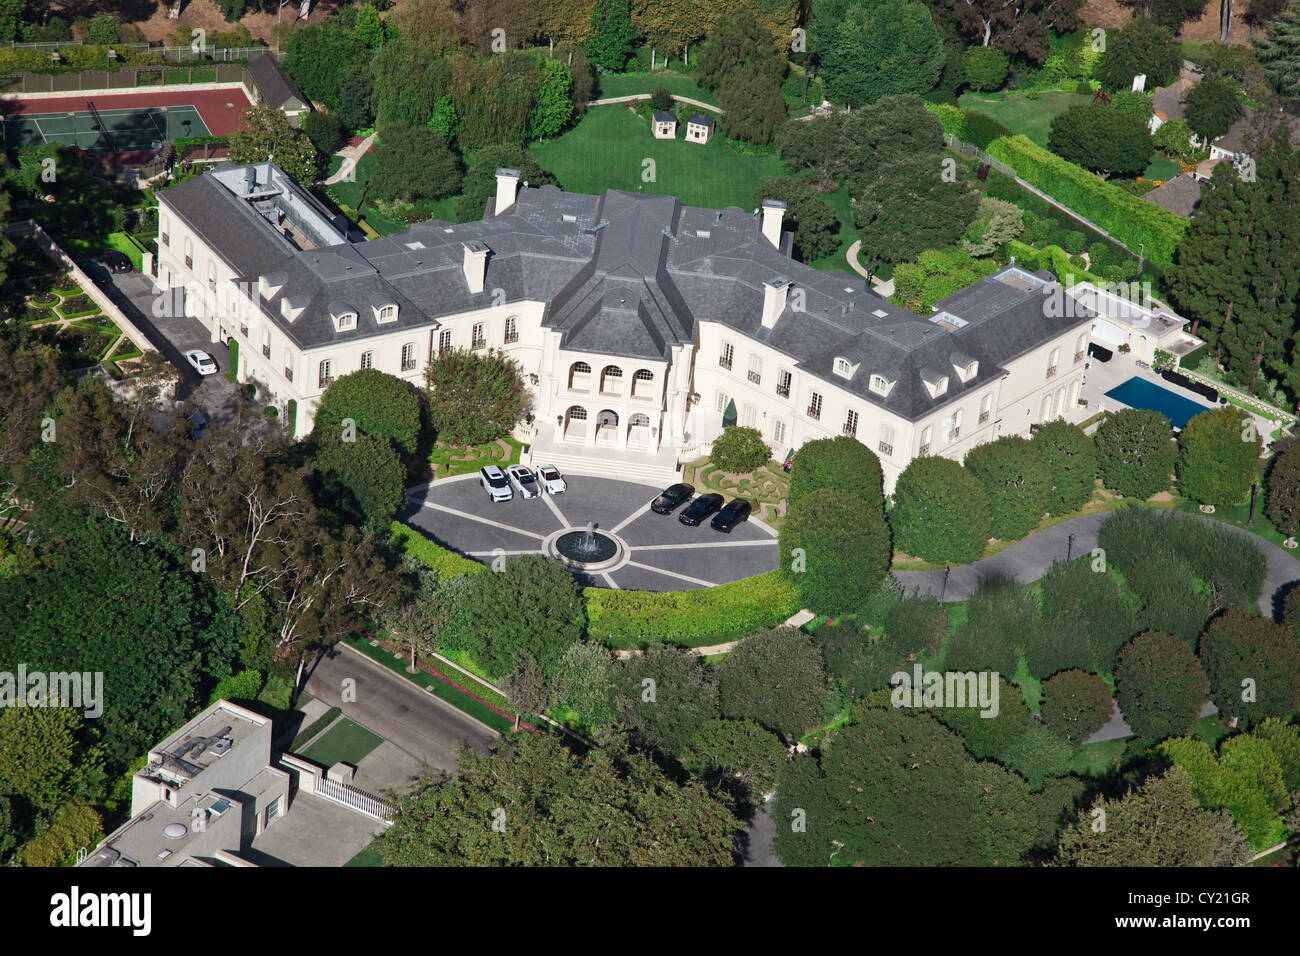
(725, 612)
(1054, 259)
(445, 564)
(1128, 218)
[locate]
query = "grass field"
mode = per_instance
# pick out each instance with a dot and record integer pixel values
(1020, 114)
(608, 148)
(346, 741)
(370, 856)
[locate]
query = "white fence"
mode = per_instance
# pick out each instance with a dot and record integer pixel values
(358, 800)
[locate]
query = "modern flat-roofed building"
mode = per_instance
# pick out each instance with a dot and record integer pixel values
(637, 321)
(204, 794)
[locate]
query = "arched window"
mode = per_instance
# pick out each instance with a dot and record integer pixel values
(639, 420)
(644, 375)
(577, 414)
(581, 368)
(367, 359)
(612, 371)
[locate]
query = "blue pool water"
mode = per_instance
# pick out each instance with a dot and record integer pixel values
(1139, 393)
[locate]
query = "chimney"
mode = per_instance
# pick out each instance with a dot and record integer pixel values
(775, 292)
(507, 190)
(475, 265)
(773, 213)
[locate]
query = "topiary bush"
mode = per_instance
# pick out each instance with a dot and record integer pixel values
(1076, 704)
(841, 463)
(739, 449)
(1219, 456)
(836, 547)
(1135, 452)
(1018, 482)
(941, 512)
(380, 404)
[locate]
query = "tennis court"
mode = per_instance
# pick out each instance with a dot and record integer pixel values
(106, 131)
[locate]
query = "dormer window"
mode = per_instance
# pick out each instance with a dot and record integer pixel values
(844, 368)
(936, 383)
(348, 320)
(881, 385)
(965, 366)
(387, 313)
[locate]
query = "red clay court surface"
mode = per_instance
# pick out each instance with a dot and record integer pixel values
(210, 104)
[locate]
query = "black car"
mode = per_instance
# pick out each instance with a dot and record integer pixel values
(671, 498)
(699, 509)
(735, 511)
(116, 262)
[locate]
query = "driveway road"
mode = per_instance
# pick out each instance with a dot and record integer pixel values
(420, 725)
(1030, 558)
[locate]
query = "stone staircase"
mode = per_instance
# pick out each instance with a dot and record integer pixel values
(660, 468)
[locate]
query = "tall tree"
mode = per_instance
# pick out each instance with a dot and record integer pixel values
(1219, 457)
(530, 803)
(738, 43)
(263, 132)
(1213, 105)
(1160, 685)
(1278, 51)
(1139, 47)
(1254, 667)
(612, 38)
(1159, 823)
(777, 678)
(876, 48)
(1135, 452)
(1020, 30)
(1101, 138)
(1018, 482)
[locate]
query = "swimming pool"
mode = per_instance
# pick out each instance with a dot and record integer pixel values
(1140, 393)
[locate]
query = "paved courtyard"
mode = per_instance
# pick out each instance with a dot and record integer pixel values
(662, 554)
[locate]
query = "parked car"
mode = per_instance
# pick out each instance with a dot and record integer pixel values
(551, 480)
(524, 481)
(202, 362)
(1100, 352)
(116, 262)
(672, 496)
(733, 513)
(494, 482)
(700, 508)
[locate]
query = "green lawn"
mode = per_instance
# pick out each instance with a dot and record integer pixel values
(370, 856)
(346, 741)
(1020, 114)
(630, 84)
(1095, 760)
(351, 194)
(1162, 169)
(607, 149)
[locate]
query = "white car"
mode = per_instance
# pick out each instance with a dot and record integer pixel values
(524, 481)
(551, 480)
(494, 483)
(203, 363)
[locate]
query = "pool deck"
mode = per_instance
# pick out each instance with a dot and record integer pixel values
(1101, 377)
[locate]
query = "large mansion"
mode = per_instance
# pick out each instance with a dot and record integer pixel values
(640, 323)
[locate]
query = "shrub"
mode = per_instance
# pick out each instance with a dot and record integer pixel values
(474, 397)
(879, 603)
(381, 405)
(916, 625)
(1219, 457)
(270, 412)
(1240, 647)
(1135, 452)
(778, 678)
(986, 67)
(1018, 483)
(1076, 704)
(1282, 503)
(323, 129)
(1000, 617)
(291, 416)
(363, 480)
(1159, 684)
(245, 685)
(684, 696)
(725, 612)
(444, 564)
(1170, 603)
(840, 463)
(1140, 46)
(661, 99)
(1039, 753)
(1084, 88)
(739, 449)
(1102, 139)
(941, 512)
(1128, 218)
(1057, 645)
(990, 738)
(1074, 241)
(1084, 601)
(1072, 463)
(836, 547)
(232, 372)
(980, 129)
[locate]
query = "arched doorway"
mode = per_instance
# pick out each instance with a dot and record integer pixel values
(606, 427)
(643, 383)
(575, 424)
(580, 377)
(638, 430)
(611, 380)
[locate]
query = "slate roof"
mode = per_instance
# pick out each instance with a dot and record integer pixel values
(1168, 100)
(273, 82)
(1234, 140)
(1180, 195)
(665, 116)
(630, 274)
(701, 119)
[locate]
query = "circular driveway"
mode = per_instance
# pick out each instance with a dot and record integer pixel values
(662, 554)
